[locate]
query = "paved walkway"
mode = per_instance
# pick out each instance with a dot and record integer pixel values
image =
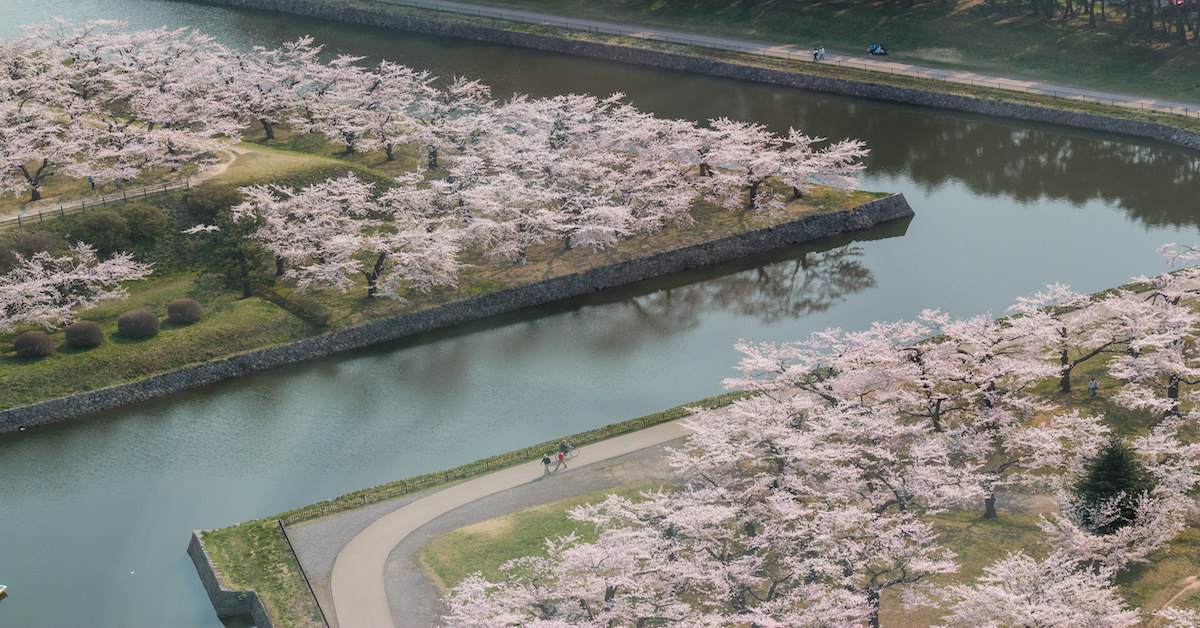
(861, 60)
(357, 583)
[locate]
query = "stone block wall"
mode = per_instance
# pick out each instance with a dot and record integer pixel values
(452, 26)
(502, 301)
(227, 603)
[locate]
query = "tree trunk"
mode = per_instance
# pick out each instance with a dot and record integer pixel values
(35, 194)
(433, 164)
(989, 506)
(1064, 380)
(796, 193)
(873, 602)
(753, 195)
(268, 128)
(388, 151)
(278, 266)
(373, 276)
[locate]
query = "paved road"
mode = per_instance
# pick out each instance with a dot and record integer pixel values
(859, 60)
(358, 580)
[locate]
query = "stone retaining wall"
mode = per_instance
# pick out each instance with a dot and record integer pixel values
(392, 16)
(473, 309)
(227, 603)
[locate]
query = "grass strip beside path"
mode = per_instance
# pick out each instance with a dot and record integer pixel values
(254, 555)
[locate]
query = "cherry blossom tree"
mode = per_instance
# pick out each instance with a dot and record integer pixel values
(452, 117)
(1083, 328)
(261, 85)
(1161, 354)
(837, 165)
(46, 289)
(332, 232)
(1056, 591)
(809, 496)
(98, 101)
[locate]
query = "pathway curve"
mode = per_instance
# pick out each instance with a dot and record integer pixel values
(358, 583)
(786, 51)
(56, 205)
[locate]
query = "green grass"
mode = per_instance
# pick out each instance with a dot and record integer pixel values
(258, 552)
(485, 546)
(999, 38)
(229, 326)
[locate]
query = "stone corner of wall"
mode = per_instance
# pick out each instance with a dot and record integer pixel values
(226, 602)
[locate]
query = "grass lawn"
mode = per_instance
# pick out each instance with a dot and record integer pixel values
(997, 38)
(486, 545)
(229, 326)
(257, 552)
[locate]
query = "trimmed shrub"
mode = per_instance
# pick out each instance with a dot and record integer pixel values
(138, 324)
(84, 334)
(34, 344)
(184, 311)
(147, 223)
(206, 201)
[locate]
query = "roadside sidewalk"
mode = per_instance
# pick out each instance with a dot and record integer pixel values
(358, 581)
(861, 61)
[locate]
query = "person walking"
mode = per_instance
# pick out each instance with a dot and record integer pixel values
(821, 53)
(562, 461)
(1093, 386)
(92, 180)
(815, 53)
(545, 464)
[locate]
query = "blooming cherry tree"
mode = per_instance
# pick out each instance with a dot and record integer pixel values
(46, 289)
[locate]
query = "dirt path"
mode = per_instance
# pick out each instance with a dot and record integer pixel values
(1191, 583)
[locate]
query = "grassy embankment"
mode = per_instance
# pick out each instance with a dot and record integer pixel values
(988, 37)
(233, 325)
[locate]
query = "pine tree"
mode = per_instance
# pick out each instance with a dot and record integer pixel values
(1107, 494)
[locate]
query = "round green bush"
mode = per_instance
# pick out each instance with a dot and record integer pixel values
(146, 223)
(184, 311)
(34, 344)
(104, 229)
(26, 244)
(137, 324)
(207, 201)
(84, 334)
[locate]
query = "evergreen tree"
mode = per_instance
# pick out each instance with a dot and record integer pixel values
(1106, 496)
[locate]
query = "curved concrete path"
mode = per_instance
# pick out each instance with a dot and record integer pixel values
(357, 583)
(786, 51)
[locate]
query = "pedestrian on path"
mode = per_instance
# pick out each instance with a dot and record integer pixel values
(562, 461)
(821, 53)
(545, 464)
(92, 180)
(1093, 386)
(815, 53)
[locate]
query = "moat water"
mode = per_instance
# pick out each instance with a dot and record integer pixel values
(95, 514)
